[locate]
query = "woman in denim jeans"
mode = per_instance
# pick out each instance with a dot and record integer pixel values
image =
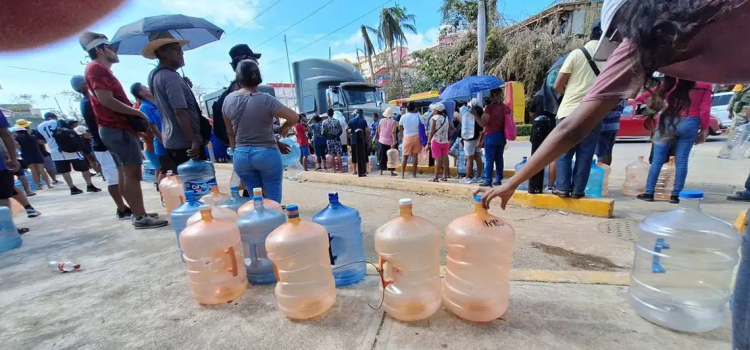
(249, 118)
(493, 122)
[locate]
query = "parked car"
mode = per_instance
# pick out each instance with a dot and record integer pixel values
(632, 127)
(719, 105)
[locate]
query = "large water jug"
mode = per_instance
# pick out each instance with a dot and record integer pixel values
(344, 225)
(182, 214)
(525, 185)
(293, 156)
(172, 191)
(149, 172)
(300, 255)
(254, 229)
(269, 204)
(198, 176)
(607, 170)
(217, 212)
(345, 163)
(461, 162)
(373, 164)
(235, 201)
(595, 185)
(479, 245)
(217, 196)
(212, 252)
(737, 144)
(665, 181)
(393, 160)
(409, 250)
(636, 174)
(9, 237)
(329, 161)
(683, 267)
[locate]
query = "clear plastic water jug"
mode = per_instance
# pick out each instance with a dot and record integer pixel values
(182, 214)
(409, 250)
(9, 237)
(373, 164)
(345, 163)
(636, 174)
(479, 245)
(198, 176)
(525, 185)
(737, 144)
(235, 201)
(595, 185)
(218, 213)
(149, 172)
(300, 255)
(329, 161)
(269, 204)
(393, 160)
(293, 156)
(607, 170)
(254, 229)
(665, 181)
(344, 226)
(683, 267)
(212, 252)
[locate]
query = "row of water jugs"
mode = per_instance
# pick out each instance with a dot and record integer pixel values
(596, 187)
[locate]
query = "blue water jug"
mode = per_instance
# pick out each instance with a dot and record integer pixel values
(525, 185)
(293, 156)
(683, 267)
(462, 163)
(345, 163)
(254, 228)
(344, 225)
(149, 172)
(374, 163)
(9, 237)
(181, 214)
(595, 185)
(198, 176)
(235, 201)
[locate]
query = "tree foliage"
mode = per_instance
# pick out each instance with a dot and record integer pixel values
(462, 14)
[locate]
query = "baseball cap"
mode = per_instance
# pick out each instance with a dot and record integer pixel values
(606, 45)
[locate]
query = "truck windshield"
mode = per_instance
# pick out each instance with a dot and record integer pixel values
(360, 95)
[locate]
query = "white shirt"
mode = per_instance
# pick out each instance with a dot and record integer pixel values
(342, 121)
(410, 122)
(441, 129)
(46, 129)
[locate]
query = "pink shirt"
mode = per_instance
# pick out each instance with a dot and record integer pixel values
(496, 122)
(700, 102)
(386, 131)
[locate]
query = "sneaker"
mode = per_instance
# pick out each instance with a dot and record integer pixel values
(32, 213)
(75, 190)
(577, 195)
(92, 188)
(739, 196)
(476, 180)
(147, 222)
(466, 180)
(645, 197)
(497, 183)
(674, 199)
(123, 215)
(55, 182)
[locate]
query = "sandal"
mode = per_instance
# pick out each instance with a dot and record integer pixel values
(561, 194)
(23, 230)
(433, 180)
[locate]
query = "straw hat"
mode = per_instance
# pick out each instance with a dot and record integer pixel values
(23, 123)
(157, 40)
(388, 113)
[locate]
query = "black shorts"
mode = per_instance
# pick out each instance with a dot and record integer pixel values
(63, 166)
(178, 156)
(7, 184)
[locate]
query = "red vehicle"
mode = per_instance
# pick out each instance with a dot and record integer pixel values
(631, 126)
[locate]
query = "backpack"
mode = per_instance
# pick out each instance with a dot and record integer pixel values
(204, 123)
(332, 129)
(220, 129)
(67, 140)
(511, 130)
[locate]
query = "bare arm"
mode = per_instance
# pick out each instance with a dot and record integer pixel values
(106, 98)
(10, 146)
(291, 117)
(230, 131)
(432, 130)
(561, 82)
(157, 133)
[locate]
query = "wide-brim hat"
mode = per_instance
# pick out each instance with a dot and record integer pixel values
(157, 40)
(606, 46)
(23, 123)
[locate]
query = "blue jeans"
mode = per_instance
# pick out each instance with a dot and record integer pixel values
(686, 133)
(494, 146)
(576, 180)
(741, 298)
(260, 167)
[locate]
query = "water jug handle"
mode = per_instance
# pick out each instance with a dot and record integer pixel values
(233, 259)
(656, 266)
(383, 281)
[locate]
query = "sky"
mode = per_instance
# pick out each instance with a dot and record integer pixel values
(312, 27)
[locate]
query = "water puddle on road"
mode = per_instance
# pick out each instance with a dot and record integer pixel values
(578, 260)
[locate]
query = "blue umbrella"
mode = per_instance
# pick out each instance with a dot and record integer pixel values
(471, 86)
(130, 39)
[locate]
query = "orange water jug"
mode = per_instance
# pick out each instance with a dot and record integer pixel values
(217, 212)
(268, 204)
(329, 161)
(636, 174)
(172, 191)
(607, 170)
(477, 265)
(393, 160)
(300, 254)
(218, 197)
(212, 250)
(409, 252)
(665, 182)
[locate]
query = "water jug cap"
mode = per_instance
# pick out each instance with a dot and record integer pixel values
(258, 191)
(691, 194)
(292, 211)
(525, 158)
(170, 173)
(333, 197)
(478, 198)
(234, 188)
(404, 201)
(189, 195)
(257, 198)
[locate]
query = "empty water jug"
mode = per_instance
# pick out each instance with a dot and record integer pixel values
(373, 163)
(525, 185)
(212, 252)
(182, 214)
(149, 172)
(737, 144)
(9, 237)
(607, 170)
(217, 196)
(293, 156)
(344, 226)
(269, 204)
(329, 161)
(299, 251)
(683, 267)
(218, 213)
(409, 250)
(235, 201)
(595, 185)
(479, 245)
(636, 174)
(198, 176)
(254, 229)
(393, 160)
(345, 163)
(665, 181)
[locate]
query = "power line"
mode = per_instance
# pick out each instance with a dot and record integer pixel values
(254, 18)
(296, 23)
(40, 71)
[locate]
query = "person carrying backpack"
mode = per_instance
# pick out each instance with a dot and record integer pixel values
(332, 131)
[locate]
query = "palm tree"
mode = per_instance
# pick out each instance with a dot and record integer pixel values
(369, 47)
(394, 22)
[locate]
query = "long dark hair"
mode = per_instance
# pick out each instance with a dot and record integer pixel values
(670, 99)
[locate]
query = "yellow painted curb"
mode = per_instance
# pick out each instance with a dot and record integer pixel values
(557, 276)
(426, 169)
(601, 207)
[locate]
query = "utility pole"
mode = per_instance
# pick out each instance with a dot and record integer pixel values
(289, 67)
(481, 39)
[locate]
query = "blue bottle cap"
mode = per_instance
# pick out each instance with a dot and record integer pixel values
(292, 211)
(234, 188)
(333, 197)
(525, 158)
(691, 194)
(478, 198)
(292, 207)
(257, 198)
(189, 195)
